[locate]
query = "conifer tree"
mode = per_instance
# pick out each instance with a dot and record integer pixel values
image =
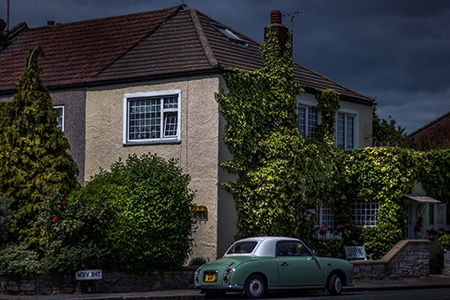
(33, 152)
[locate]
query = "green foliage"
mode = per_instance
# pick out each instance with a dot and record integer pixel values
(33, 152)
(4, 219)
(280, 175)
(435, 174)
(70, 232)
(151, 219)
(197, 261)
(328, 105)
(444, 241)
(386, 133)
(383, 175)
(17, 260)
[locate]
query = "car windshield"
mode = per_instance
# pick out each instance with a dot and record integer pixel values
(242, 247)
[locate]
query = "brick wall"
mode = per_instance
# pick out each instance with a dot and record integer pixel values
(409, 258)
(435, 135)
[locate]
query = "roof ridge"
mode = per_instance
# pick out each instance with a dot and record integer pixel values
(203, 39)
(175, 9)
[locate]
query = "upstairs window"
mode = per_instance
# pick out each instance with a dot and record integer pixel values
(152, 117)
(345, 128)
(345, 131)
(308, 119)
(60, 118)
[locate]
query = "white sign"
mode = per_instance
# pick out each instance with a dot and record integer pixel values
(88, 275)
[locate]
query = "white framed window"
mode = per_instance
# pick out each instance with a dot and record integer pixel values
(152, 117)
(308, 119)
(60, 118)
(326, 216)
(364, 213)
(346, 130)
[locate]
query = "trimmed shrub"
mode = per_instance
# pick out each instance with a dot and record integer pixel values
(151, 220)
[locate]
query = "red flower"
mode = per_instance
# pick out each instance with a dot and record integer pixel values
(38, 224)
(55, 218)
(38, 204)
(102, 205)
(59, 206)
(65, 202)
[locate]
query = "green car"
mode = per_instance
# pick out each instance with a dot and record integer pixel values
(253, 266)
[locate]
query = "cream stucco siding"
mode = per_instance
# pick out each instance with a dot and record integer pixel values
(197, 152)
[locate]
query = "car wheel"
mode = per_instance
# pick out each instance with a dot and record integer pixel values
(255, 287)
(335, 285)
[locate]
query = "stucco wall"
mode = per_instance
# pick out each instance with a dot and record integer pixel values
(197, 152)
(74, 123)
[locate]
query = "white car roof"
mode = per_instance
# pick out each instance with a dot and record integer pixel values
(265, 247)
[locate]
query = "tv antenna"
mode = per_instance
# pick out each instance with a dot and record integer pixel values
(294, 14)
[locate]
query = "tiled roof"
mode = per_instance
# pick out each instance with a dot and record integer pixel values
(140, 47)
(77, 52)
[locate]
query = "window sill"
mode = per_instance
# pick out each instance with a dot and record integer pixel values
(150, 143)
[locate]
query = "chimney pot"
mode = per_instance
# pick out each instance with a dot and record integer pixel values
(50, 23)
(275, 17)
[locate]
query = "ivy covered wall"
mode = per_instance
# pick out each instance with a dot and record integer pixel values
(281, 176)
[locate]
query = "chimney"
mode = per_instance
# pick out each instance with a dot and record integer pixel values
(50, 23)
(281, 31)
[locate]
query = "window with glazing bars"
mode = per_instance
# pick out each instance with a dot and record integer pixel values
(345, 131)
(326, 216)
(364, 213)
(153, 118)
(308, 119)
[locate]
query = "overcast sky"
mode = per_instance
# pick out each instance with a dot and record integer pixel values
(396, 51)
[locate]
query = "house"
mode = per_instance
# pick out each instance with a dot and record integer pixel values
(435, 215)
(146, 82)
(434, 135)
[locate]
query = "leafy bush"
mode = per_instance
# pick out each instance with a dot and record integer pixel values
(444, 241)
(17, 260)
(152, 213)
(69, 231)
(4, 219)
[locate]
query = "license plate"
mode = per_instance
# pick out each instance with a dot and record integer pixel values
(210, 277)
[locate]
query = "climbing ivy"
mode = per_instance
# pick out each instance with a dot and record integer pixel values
(328, 105)
(435, 174)
(383, 175)
(281, 175)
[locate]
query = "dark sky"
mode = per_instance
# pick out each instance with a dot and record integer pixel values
(396, 51)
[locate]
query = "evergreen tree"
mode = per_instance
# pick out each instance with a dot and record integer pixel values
(386, 133)
(33, 152)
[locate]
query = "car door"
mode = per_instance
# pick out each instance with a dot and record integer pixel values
(297, 266)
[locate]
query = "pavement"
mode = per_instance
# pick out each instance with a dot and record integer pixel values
(432, 281)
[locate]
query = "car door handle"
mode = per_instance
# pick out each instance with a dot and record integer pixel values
(284, 264)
